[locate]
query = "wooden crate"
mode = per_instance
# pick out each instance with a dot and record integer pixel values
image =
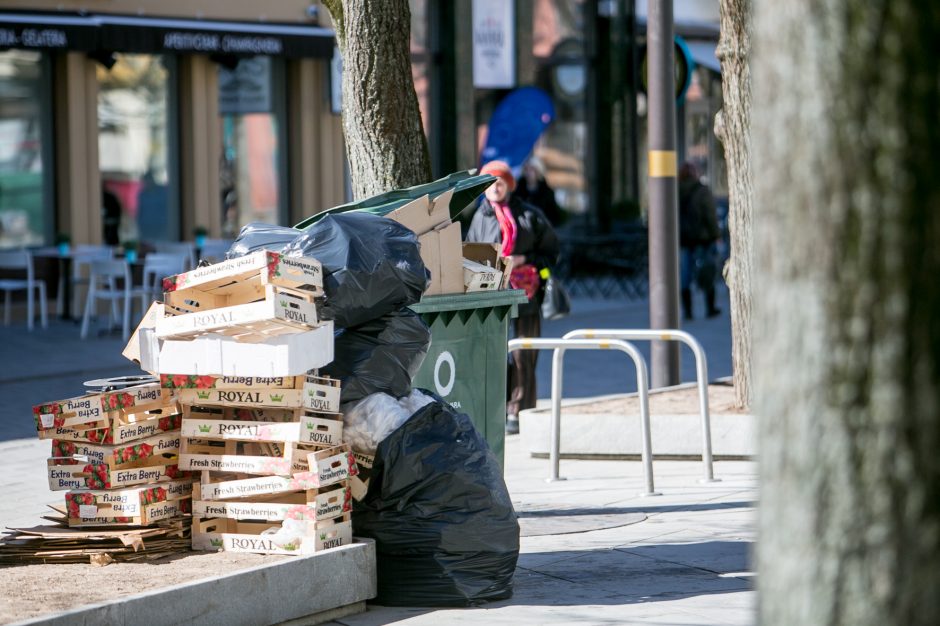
(123, 503)
(236, 536)
(122, 425)
(84, 412)
(317, 393)
(149, 514)
(297, 425)
(312, 504)
(265, 458)
(157, 450)
(249, 274)
(360, 482)
(280, 312)
(65, 474)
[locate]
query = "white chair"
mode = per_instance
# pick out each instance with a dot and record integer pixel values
(157, 265)
(82, 257)
(213, 250)
(186, 248)
(111, 281)
(22, 260)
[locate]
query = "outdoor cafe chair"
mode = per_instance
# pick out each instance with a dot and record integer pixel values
(158, 265)
(110, 281)
(81, 256)
(186, 248)
(22, 260)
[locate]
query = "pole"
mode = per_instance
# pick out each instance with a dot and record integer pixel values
(663, 195)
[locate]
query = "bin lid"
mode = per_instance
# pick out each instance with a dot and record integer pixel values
(466, 185)
(469, 300)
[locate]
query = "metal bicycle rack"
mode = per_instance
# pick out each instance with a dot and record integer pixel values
(701, 374)
(560, 346)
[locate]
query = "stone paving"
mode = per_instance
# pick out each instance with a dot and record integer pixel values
(678, 558)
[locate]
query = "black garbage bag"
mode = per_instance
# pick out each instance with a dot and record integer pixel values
(258, 235)
(438, 509)
(371, 265)
(379, 356)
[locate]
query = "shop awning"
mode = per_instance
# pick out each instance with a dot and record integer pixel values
(154, 35)
(44, 31)
(163, 35)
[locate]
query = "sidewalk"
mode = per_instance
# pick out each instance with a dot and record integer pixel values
(593, 552)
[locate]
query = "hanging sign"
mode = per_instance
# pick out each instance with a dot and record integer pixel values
(494, 44)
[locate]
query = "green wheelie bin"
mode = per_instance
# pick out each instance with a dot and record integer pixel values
(466, 363)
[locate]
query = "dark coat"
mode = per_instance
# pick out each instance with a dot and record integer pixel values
(542, 197)
(698, 222)
(535, 238)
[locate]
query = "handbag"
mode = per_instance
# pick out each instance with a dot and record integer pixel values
(556, 303)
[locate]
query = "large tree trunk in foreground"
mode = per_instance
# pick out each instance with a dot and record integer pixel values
(385, 143)
(732, 127)
(847, 312)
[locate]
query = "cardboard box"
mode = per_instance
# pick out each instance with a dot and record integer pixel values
(360, 482)
(117, 503)
(270, 538)
(440, 251)
(281, 312)
(308, 429)
(260, 268)
(92, 410)
(312, 505)
(132, 349)
(488, 254)
(424, 214)
(215, 355)
(478, 277)
(156, 450)
(67, 474)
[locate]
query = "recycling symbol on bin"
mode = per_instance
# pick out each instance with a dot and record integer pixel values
(444, 389)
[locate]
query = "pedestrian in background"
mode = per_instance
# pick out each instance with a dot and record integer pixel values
(525, 234)
(534, 189)
(698, 238)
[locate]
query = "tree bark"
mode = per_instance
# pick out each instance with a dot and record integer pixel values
(732, 127)
(846, 138)
(385, 141)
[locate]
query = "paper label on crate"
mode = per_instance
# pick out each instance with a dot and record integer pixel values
(238, 430)
(87, 510)
(131, 396)
(192, 381)
(243, 397)
(47, 420)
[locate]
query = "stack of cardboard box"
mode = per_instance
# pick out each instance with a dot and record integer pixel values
(239, 343)
(115, 454)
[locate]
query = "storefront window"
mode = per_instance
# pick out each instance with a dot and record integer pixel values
(253, 172)
(25, 213)
(133, 136)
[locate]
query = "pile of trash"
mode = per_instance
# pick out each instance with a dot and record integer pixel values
(434, 499)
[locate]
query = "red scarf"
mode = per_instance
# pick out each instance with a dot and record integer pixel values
(525, 276)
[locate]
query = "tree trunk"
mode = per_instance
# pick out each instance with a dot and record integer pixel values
(847, 140)
(732, 127)
(385, 142)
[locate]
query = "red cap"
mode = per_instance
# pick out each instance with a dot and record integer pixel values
(502, 170)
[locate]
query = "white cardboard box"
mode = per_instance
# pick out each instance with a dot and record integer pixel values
(216, 355)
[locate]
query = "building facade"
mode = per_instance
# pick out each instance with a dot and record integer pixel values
(144, 120)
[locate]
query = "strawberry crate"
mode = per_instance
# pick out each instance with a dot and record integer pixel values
(92, 410)
(149, 514)
(123, 503)
(291, 537)
(122, 425)
(301, 427)
(246, 457)
(320, 394)
(279, 312)
(360, 482)
(236, 280)
(311, 504)
(157, 450)
(66, 474)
